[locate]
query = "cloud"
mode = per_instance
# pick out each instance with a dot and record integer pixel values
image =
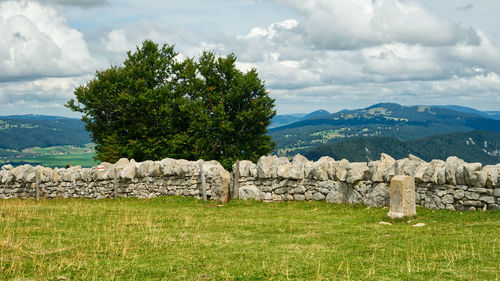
(37, 42)
(363, 52)
(467, 7)
(43, 96)
(352, 24)
(79, 3)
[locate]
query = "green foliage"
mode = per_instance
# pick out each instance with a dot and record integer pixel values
(155, 106)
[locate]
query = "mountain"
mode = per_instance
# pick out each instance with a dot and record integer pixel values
(23, 131)
(33, 117)
(285, 119)
(282, 120)
(403, 123)
(474, 146)
(316, 114)
(486, 114)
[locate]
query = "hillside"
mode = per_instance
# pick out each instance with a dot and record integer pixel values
(474, 146)
(382, 120)
(24, 131)
(283, 120)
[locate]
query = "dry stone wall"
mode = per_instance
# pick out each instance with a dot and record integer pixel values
(123, 179)
(452, 184)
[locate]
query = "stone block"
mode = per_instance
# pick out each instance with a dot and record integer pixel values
(447, 199)
(318, 196)
(402, 197)
(496, 192)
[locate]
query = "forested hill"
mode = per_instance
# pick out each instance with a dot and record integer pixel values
(403, 123)
(474, 146)
(24, 131)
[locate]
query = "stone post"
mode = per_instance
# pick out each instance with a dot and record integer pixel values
(402, 197)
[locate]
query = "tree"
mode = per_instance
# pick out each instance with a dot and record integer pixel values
(157, 106)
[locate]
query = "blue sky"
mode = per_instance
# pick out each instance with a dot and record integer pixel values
(312, 54)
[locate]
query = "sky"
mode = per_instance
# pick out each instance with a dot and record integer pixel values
(312, 54)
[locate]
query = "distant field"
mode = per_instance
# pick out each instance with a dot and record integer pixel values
(54, 156)
(175, 238)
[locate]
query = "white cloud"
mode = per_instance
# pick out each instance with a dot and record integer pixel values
(37, 42)
(80, 3)
(42, 96)
(352, 24)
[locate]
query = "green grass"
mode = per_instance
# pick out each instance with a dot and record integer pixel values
(54, 156)
(85, 160)
(70, 149)
(175, 238)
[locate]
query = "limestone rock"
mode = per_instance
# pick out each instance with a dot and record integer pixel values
(267, 166)
(469, 169)
(493, 176)
(356, 172)
(149, 169)
(24, 173)
(378, 196)
(410, 166)
(247, 168)
(420, 171)
(479, 178)
(7, 167)
(341, 168)
(338, 193)
(454, 170)
(379, 168)
(434, 171)
(122, 163)
(218, 180)
(323, 169)
(129, 171)
(496, 192)
(250, 192)
(318, 196)
(353, 196)
(298, 169)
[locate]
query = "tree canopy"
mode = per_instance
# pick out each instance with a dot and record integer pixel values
(156, 106)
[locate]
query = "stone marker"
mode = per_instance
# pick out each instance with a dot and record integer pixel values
(402, 197)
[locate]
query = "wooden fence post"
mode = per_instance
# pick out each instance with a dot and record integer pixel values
(236, 180)
(115, 182)
(203, 181)
(37, 183)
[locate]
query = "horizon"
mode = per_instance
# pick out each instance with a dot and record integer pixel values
(281, 114)
(334, 55)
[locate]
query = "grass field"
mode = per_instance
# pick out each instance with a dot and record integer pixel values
(175, 238)
(54, 156)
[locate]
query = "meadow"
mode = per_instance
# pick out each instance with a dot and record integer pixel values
(54, 156)
(177, 238)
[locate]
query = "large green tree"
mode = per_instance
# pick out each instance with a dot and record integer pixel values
(156, 106)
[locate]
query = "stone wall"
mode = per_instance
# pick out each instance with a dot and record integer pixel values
(453, 184)
(123, 179)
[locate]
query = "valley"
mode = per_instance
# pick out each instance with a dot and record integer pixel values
(429, 132)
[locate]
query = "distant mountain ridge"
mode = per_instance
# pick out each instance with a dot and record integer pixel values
(403, 123)
(282, 120)
(18, 132)
(474, 146)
